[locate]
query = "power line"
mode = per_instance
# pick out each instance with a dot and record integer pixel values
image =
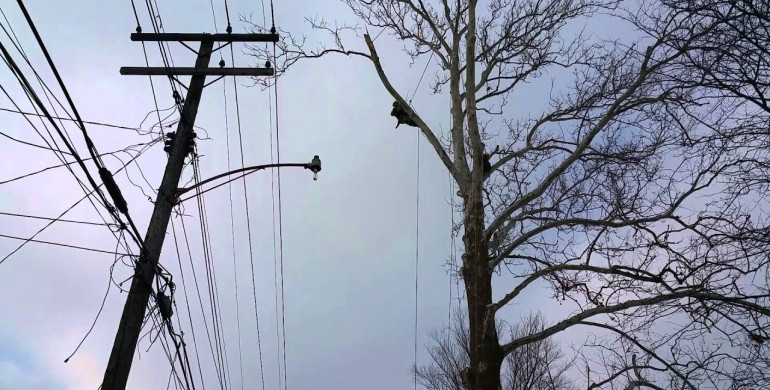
(280, 219)
(26, 175)
(46, 90)
(421, 76)
(157, 24)
(232, 234)
(227, 13)
(98, 313)
(416, 259)
(211, 274)
(187, 303)
(200, 301)
(70, 119)
(61, 245)
(248, 224)
(87, 196)
(209, 282)
(280, 209)
(275, 241)
(147, 63)
(106, 176)
(214, 16)
(55, 219)
(89, 143)
(272, 196)
(31, 144)
(272, 17)
(30, 94)
(88, 193)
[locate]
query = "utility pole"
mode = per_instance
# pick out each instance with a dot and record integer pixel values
(119, 365)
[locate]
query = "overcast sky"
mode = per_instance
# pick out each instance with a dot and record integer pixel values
(349, 239)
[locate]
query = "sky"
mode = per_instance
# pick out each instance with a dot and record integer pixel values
(351, 240)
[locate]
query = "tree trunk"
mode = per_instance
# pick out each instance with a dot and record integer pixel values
(486, 352)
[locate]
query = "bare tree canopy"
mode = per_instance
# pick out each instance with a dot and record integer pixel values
(637, 194)
(535, 366)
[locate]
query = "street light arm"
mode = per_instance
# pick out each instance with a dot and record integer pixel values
(253, 168)
(314, 166)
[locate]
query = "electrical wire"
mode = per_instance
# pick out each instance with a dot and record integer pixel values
(46, 90)
(187, 303)
(26, 175)
(32, 144)
(91, 148)
(248, 224)
(98, 313)
(213, 286)
(200, 301)
(275, 239)
(416, 258)
(280, 208)
(227, 13)
(214, 16)
(61, 159)
(232, 234)
(61, 245)
(213, 301)
(184, 345)
(54, 219)
(69, 119)
(87, 196)
(89, 143)
(168, 61)
(421, 76)
(280, 228)
(417, 226)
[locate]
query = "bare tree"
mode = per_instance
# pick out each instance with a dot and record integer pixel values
(636, 194)
(535, 366)
(737, 35)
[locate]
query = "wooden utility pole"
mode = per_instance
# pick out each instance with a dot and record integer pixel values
(119, 365)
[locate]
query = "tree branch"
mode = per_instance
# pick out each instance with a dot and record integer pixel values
(412, 114)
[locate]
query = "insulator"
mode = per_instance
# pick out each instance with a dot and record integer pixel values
(222, 63)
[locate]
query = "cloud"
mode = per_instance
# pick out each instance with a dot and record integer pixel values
(14, 377)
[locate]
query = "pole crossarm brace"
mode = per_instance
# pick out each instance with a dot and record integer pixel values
(186, 37)
(182, 71)
(314, 166)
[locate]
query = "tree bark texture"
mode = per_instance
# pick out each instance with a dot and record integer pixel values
(486, 353)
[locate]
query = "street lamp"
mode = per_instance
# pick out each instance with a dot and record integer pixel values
(314, 166)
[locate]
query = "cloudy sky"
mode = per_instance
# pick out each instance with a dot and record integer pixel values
(349, 239)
